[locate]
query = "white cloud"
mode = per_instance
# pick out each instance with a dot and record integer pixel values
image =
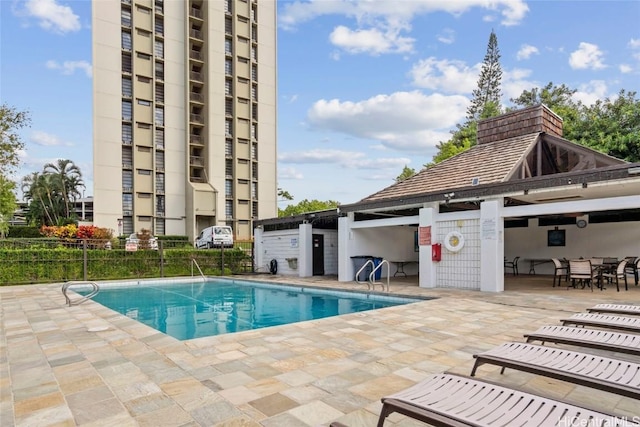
(345, 159)
(51, 16)
(379, 24)
(625, 69)
(526, 51)
(409, 121)
(447, 36)
(588, 56)
(515, 81)
(69, 67)
(634, 43)
(449, 76)
(373, 41)
(47, 140)
(289, 173)
(590, 92)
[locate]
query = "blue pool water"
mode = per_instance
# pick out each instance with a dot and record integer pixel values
(194, 309)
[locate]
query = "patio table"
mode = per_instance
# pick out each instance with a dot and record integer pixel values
(537, 261)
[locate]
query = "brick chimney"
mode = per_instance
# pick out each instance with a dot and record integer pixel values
(538, 118)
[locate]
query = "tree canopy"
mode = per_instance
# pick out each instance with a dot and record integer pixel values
(406, 173)
(306, 205)
(50, 193)
(488, 92)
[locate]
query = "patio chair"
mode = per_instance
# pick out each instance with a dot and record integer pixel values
(512, 265)
(562, 270)
(606, 321)
(618, 342)
(615, 308)
(616, 276)
(621, 377)
(581, 272)
(632, 267)
(455, 400)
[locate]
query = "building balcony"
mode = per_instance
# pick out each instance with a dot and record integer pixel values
(196, 34)
(127, 165)
(197, 179)
(197, 55)
(196, 13)
(196, 97)
(196, 139)
(194, 75)
(196, 161)
(197, 118)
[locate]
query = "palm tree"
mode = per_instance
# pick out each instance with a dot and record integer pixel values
(68, 179)
(37, 190)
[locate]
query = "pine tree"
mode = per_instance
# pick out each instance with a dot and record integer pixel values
(488, 91)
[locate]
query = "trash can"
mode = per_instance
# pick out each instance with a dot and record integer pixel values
(376, 263)
(358, 262)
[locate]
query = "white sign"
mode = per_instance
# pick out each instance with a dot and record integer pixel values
(489, 229)
(294, 242)
(131, 247)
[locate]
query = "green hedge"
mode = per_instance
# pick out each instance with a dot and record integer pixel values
(61, 264)
(24, 231)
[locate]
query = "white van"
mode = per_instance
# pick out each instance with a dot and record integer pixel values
(216, 236)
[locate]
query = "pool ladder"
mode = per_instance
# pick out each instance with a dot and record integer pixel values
(194, 262)
(94, 291)
(371, 283)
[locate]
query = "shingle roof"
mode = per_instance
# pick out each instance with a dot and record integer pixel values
(490, 163)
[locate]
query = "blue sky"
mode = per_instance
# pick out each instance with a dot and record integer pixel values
(365, 87)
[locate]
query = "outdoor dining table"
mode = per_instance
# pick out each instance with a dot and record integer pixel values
(537, 261)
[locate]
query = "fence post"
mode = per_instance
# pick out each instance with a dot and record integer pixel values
(161, 250)
(222, 260)
(85, 273)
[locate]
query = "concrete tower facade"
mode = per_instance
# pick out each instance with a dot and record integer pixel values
(184, 113)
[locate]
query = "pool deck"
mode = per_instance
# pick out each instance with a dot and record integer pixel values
(87, 365)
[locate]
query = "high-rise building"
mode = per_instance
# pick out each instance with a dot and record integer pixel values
(184, 114)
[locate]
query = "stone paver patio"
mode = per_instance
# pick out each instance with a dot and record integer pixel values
(87, 365)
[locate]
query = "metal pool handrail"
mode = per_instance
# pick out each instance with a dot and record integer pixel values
(193, 261)
(94, 291)
(372, 275)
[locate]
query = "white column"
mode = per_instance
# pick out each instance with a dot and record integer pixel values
(491, 246)
(305, 250)
(427, 267)
(345, 265)
(258, 248)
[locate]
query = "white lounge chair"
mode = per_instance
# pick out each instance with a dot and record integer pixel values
(615, 308)
(607, 321)
(452, 400)
(592, 338)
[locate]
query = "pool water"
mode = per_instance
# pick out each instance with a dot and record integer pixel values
(195, 309)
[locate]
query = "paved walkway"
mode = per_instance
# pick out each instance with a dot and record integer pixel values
(89, 366)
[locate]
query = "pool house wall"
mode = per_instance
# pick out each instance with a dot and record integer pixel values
(293, 250)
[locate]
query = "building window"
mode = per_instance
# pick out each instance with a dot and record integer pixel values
(144, 172)
(127, 202)
(228, 107)
(228, 188)
(228, 208)
(227, 47)
(126, 40)
(254, 73)
(144, 102)
(228, 167)
(227, 6)
(159, 48)
(125, 18)
(254, 170)
(254, 152)
(127, 158)
(143, 33)
(144, 126)
(144, 10)
(127, 87)
(126, 63)
(127, 133)
(127, 181)
(228, 25)
(159, 6)
(160, 139)
(254, 131)
(159, 70)
(160, 93)
(127, 225)
(254, 190)
(160, 160)
(160, 183)
(159, 26)
(228, 68)
(254, 210)
(160, 228)
(228, 148)
(254, 92)
(227, 87)
(144, 56)
(143, 79)
(227, 128)
(160, 116)
(254, 53)
(126, 110)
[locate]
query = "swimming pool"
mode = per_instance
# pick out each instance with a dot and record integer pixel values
(193, 308)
